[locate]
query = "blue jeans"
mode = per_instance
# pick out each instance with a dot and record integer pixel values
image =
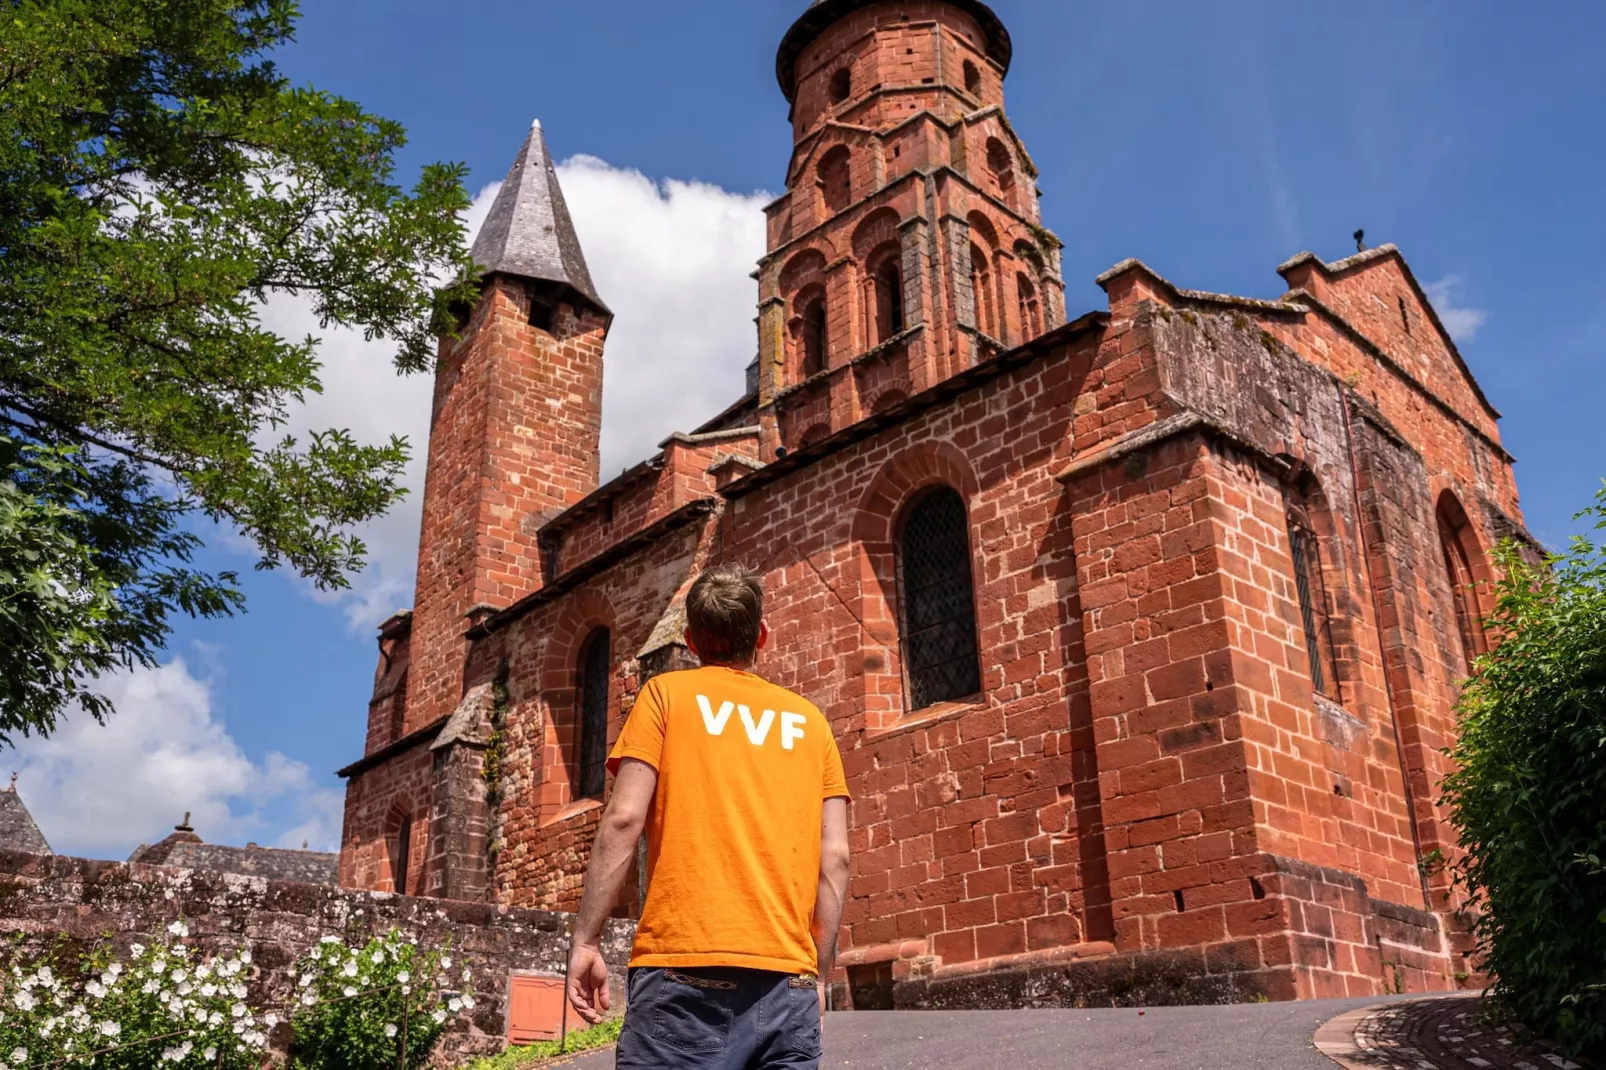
(719, 1018)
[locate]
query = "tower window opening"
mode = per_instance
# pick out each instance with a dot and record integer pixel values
(972, 79)
(1002, 168)
(835, 179)
(841, 85)
(1405, 319)
(595, 665)
(1453, 539)
(981, 284)
(541, 312)
(1031, 316)
(814, 338)
(888, 298)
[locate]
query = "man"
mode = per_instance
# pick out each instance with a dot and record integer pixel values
(739, 786)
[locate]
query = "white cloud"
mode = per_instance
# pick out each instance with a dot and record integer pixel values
(100, 790)
(1462, 323)
(671, 259)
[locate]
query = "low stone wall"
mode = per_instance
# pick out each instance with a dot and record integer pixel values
(45, 898)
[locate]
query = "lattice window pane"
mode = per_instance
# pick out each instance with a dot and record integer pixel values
(595, 665)
(939, 608)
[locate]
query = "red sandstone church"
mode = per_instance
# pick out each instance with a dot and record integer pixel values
(1140, 631)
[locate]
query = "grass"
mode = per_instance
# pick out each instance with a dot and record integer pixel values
(531, 1054)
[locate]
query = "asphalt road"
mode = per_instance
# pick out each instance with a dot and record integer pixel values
(1252, 1036)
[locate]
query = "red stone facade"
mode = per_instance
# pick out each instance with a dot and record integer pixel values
(1223, 564)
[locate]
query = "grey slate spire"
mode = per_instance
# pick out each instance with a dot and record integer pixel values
(18, 831)
(529, 232)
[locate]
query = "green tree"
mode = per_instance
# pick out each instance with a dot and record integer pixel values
(159, 181)
(1529, 792)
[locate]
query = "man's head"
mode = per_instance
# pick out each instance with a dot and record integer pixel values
(725, 615)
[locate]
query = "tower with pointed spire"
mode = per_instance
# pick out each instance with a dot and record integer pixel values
(515, 428)
(908, 245)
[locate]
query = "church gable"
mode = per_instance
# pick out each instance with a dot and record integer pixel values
(1376, 293)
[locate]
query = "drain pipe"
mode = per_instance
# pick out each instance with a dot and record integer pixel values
(1382, 648)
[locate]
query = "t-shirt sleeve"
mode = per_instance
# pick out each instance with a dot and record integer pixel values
(835, 781)
(642, 737)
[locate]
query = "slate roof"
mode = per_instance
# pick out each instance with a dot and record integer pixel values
(18, 830)
(183, 849)
(529, 232)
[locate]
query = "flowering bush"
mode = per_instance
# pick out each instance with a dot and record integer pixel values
(163, 1007)
(357, 1006)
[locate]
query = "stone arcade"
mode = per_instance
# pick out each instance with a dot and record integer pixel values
(1140, 631)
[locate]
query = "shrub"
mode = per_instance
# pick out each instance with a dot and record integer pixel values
(358, 1005)
(167, 1006)
(1529, 793)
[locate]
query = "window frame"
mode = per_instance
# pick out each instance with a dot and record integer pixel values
(1310, 598)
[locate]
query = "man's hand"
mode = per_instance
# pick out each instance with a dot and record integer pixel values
(588, 982)
(820, 988)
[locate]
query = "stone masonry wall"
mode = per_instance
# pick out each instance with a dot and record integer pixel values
(43, 898)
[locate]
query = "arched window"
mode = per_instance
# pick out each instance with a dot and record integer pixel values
(399, 858)
(1455, 535)
(1002, 168)
(1031, 315)
(596, 663)
(1304, 547)
(981, 283)
(887, 280)
(836, 182)
(841, 85)
(938, 602)
(814, 336)
(972, 79)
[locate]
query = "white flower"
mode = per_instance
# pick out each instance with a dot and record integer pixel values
(379, 954)
(446, 962)
(96, 989)
(350, 968)
(179, 975)
(209, 990)
(245, 956)
(215, 1019)
(468, 1001)
(308, 999)
(45, 976)
(404, 977)
(467, 976)
(136, 950)
(348, 991)
(306, 979)
(238, 1010)
(455, 1005)
(19, 1055)
(271, 1019)
(24, 1002)
(439, 1016)
(110, 1029)
(406, 990)
(390, 1030)
(209, 1054)
(178, 928)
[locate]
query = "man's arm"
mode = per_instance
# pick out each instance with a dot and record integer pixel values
(613, 852)
(833, 889)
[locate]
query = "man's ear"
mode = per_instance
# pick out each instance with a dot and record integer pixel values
(686, 635)
(763, 635)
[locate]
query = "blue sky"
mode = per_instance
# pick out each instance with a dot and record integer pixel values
(1211, 140)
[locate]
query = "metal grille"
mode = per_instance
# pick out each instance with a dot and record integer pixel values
(1302, 547)
(594, 668)
(939, 608)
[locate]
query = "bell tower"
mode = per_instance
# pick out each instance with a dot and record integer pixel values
(515, 428)
(908, 245)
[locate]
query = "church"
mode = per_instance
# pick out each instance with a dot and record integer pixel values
(1140, 630)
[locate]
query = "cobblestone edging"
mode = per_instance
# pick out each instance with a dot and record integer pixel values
(1441, 1033)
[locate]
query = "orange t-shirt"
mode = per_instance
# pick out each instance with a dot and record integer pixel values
(733, 838)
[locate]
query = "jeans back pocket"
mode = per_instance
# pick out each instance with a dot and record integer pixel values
(692, 1014)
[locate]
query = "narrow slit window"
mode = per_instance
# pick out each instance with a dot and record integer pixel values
(1312, 596)
(400, 860)
(595, 665)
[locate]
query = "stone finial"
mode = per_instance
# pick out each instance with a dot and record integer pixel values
(13, 780)
(184, 826)
(1360, 240)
